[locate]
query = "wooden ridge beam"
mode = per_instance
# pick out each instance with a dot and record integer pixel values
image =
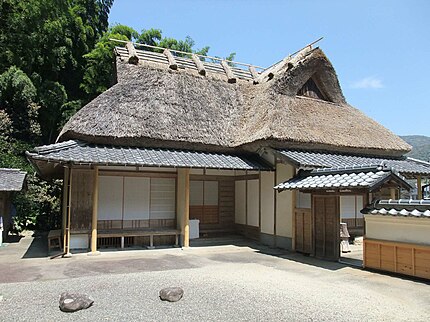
(230, 76)
(199, 64)
(172, 61)
(132, 53)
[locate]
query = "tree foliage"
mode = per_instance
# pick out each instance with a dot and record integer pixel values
(54, 57)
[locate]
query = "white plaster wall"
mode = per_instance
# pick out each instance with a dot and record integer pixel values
(284, 202)
(406, 230)
(240, 202)
(267, 202)
(253, 203)
(79, 241)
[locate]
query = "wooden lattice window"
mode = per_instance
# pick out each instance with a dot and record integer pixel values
(310, 89)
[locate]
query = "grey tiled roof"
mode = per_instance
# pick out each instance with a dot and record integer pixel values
(78, 152)
(328, 160)
(340, 178)
(11, 179)
(400, 208)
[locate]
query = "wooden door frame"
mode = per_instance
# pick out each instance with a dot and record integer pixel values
(337, 197)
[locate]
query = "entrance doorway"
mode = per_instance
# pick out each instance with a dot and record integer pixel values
(326, 218)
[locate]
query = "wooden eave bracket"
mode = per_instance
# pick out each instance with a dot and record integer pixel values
(199, 64)
(132, 53)
(172, 61)
(230, 76)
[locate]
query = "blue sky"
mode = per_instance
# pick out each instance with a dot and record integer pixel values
(380, 49)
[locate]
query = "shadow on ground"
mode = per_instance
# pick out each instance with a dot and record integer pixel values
(238, 241)
(38, 247)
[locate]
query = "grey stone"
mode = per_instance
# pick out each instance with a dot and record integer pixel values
(171, 294)
(72, 302)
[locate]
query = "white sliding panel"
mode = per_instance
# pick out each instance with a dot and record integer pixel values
(163, 198)
(136, 198)
(347, 206)
(110, 198)
(211, 193)
(240, 202)
(253, 203)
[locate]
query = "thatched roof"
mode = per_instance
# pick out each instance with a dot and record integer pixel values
(155, 106)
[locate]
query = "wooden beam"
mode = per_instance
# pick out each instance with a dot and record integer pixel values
(199, 64)
(187, 209)
(172, 61)
(230, 76)
(419, 188)
(254, 74)
(132, 53)
(95, 210)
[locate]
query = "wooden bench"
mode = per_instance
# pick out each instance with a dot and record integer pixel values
(54, 239)
(140, 233)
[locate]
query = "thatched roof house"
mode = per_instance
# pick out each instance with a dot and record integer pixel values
(180, 136)
(153, 105)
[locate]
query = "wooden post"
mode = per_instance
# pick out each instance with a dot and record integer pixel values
(172, 61)
(69, 206)
(187, 209)
(95, 210)
(199, 64)
(183, 205)
(230, 76)
(64, 203)
(419, 188)
(132, 53)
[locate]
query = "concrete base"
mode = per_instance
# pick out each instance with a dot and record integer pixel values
(96, 253)
(67, 255)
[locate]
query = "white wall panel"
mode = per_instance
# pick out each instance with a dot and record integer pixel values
(253, 203)
(110, 198)
(267, 202)
(136, 198)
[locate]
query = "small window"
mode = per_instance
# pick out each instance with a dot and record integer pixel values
(310, 89)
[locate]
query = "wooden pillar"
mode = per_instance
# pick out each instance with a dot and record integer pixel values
(95, 210)
(64, 205)
(69, 209)
(419, 188)
(183, 205)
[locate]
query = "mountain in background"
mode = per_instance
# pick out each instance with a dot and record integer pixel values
(420, 146)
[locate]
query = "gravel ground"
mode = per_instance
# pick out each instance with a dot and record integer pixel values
(223, 284)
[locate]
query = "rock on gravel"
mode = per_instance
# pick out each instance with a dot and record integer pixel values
(72, 302)
(171, 294)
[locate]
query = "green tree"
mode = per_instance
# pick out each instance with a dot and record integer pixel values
(17, 99)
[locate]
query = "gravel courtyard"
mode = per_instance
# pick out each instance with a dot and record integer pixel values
(221, 283)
